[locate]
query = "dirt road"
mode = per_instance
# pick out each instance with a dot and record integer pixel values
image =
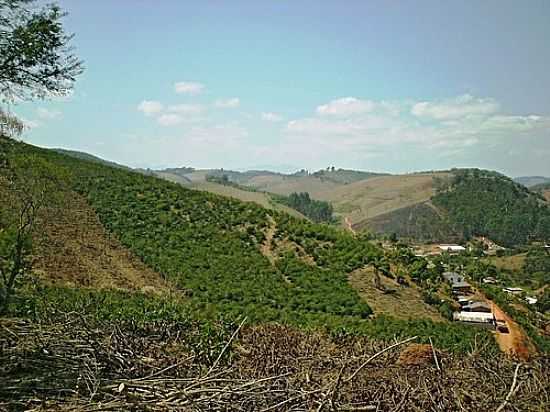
(349, 225)
(515, 342)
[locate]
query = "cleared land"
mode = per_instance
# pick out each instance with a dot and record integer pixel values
(318, 188)
(75, 250)
(512, 263)
(263, 199)
(404, 303)
(359, 201)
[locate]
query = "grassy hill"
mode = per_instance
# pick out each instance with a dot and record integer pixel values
(87, 156)
(412, 206)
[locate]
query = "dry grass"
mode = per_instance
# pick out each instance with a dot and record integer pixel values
(72, 365)
(73, 249)
(404, 303)
(359, 201)
(285, 185)
(365, 200)
(511, 263)
(263, 199)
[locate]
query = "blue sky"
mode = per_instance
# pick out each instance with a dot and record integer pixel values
(384, 86)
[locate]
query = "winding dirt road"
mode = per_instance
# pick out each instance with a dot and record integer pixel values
(515, 342)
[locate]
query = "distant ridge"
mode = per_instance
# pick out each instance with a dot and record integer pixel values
(530, 181)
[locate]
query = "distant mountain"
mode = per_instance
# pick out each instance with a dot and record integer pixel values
(529, 181)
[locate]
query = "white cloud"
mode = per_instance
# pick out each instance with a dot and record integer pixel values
(272, 117)
(228, 103)
(457, 108)
(455, 125)
(191, 88)
(47, 114)
(150, 107)
(169, 119)
(346, 106)
(503, 123)
(187, 109)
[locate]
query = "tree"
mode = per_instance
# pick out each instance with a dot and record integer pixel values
(29, 186)
(380, 264)
(36, 60)
(10, 125)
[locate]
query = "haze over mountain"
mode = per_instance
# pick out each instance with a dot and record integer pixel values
(531, 181)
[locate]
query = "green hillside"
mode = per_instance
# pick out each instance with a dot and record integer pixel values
(231, 257)
(483, 203)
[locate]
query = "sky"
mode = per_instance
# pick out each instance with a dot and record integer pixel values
(392, 86)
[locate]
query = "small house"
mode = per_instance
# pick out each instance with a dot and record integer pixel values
(453, 277)
(461, 287)
(490, 280)
(463, 300)
(513, 291)
(477, 307)
(452, 248)
(474, 317)
(530, 300)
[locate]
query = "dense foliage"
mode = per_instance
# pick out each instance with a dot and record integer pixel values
(210, 248)
(488, 204)
(36, 59)
(316, 210)
(537, 268)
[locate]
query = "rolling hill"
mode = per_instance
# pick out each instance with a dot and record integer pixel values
(530, 181)
(144, 288)
(113, 228)
(543, 189)
(425, 207)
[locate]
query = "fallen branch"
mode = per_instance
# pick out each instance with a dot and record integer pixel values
(226, 346)
(512, 390)
(377, 355)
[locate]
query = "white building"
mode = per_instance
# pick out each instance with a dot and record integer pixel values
(530, 300)
(452, 248)
(475, 317)
(513, 291)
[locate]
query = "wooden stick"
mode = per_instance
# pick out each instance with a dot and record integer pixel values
(378, 354)
(435, 355)
(512, 390)
(226, 346)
